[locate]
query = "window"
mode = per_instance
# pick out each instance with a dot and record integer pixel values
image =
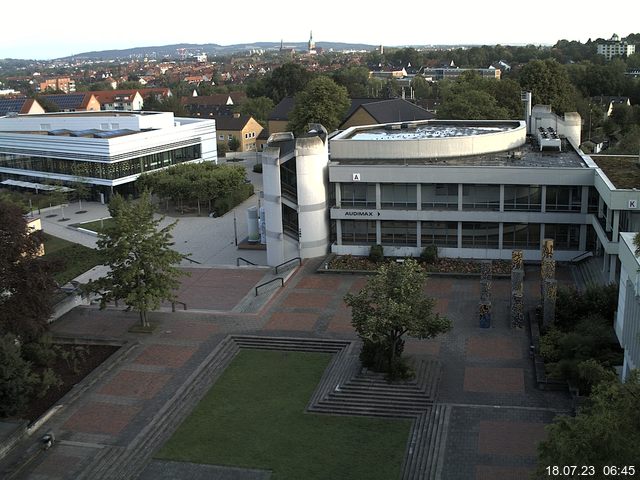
(522, 198)
(440, 196)
(358, 195)
(565, 237)
(229, 137)
(442, 234)
(563, 199)
(358, 232)
(398, 233)
(220, 137)
(521, 235)
(398, 195)
(480, 235)
(481, 197)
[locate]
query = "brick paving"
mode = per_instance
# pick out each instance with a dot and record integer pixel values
(292, 321)
(128, 383)
(494, 380)
(497, 414)
(494, 348)
(103, 418)
(510, 438)
(166, 355)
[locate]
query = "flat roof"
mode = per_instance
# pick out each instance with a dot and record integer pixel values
(526, 155)
(622, 170)
(410, 132)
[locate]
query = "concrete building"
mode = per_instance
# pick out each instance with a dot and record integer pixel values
(64, 84)
(106, 150)
(627, 323)
(614, 47)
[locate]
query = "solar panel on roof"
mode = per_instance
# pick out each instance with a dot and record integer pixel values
(67, 101)
(11, 105)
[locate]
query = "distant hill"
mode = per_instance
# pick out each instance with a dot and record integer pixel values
(210, 48)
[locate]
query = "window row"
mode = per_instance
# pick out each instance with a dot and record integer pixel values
(104, 170)
(444, 196)
(473, 234)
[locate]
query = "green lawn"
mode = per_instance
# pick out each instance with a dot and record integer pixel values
(95, 226)
(254, 417)
(76, 259)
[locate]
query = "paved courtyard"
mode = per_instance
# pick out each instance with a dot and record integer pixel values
(497, 414)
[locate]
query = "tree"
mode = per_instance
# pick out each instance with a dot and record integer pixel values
(393, 304)
(234, 144)
(606, 432)
(16, 378)
(284, 81)
(259, 108)
(355, 79)
(26, 282)
(323, 101)
(550, 85)
(143, 269)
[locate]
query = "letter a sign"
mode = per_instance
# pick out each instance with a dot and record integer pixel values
(356, 177)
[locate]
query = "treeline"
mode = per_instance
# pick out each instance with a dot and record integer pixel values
(194, 186)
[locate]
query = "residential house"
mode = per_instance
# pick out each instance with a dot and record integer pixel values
(125, 100)
(385, 111)
(213, 105)
(243, 127)
(74, 102)
(19, 105)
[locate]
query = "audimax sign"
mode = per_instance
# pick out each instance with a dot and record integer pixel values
(361, 213)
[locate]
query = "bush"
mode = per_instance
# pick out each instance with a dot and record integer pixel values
(257, 168)
(40, 353)
(429, 254)
(375, 356)
(573, 305)
(376, 254)
(222, 149)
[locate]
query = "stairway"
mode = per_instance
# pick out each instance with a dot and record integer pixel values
(589, 272)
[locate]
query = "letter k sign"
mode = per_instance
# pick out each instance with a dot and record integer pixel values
(633, 204)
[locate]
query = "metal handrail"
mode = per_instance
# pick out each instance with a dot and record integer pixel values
(244, 260)
(186, 257)
(270, 281)
(173, 305)
(288, 261)
(582, 256)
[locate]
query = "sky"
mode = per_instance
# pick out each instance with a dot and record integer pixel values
(45, 31)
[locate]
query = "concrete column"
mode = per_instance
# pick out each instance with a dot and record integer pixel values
(378, 233)
(609, 220)
(338, 194)
(459, 234)
(543, 199)
(460, 191)
(613, 264)
(378, 198)
(339, 232)
(583, 238)
(272, 205)
(501, 205)
(616, 225)
(418, 197)
(500, 227)
(584, 205)
(600, 206)
(541, 235)
(419, 234)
